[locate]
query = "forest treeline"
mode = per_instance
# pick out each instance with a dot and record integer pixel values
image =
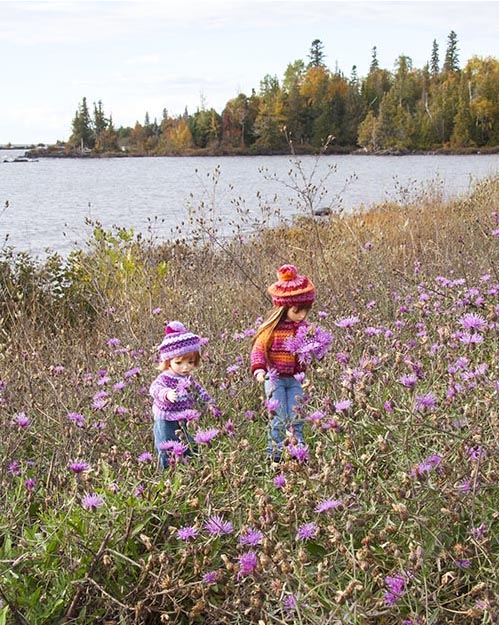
(439, 106)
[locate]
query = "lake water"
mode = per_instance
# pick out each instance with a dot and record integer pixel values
(50, 201)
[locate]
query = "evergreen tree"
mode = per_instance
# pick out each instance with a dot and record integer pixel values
(316, 54)
(451, 57)
(82, 133)
(100, 121)
(434, 64)
(374, 63)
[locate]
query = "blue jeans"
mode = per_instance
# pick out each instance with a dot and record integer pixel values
(164, 431)
(286, 390)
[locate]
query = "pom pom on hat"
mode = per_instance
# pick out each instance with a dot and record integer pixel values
(174, 326)
(292, 289)
(178, 341)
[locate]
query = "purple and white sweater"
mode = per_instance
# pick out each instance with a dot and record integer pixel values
(189, 395)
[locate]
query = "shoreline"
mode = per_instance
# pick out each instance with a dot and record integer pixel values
(62, 153)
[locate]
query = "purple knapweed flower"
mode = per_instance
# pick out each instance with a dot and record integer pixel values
(156, 311)
(79, 467)
(120, 385)
(307, 531)
(479, 532)
(425, 402)
(21, 420)
(175, 448)
(131, 372)
(473, 321)
(470, 338)
(217, 526)
(139, 491)
(146, 456)
(328, 504)
(300, 377)
(250, 536)
(408, 380)
(271, 404)
(475, 453)
(113, 342)
(342, 405)
(343, 357)
(248, 563)
(427, 465)
(232, 369)
(315, 416)
(279, 481)
(203, 437)
(78, 418)
(187, 533)
(299, 452)
(92, 501)
(190, 415)
(273, 375)
(210, 578)
(15, 468)
(290, 603)
(309, 342)
(396, 588)
(346, 322)
(30, 484)
(462, 563)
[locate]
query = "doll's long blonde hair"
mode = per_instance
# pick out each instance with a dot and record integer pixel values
(266, 328)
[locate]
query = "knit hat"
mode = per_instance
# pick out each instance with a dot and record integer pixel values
(292, 289)
(178, 341)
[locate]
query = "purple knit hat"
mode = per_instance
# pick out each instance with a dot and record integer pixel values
(292, 289)
(178, 341)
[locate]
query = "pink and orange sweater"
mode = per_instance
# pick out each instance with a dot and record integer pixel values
(278, 357)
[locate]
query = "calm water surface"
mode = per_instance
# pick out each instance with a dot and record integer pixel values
(50, 201)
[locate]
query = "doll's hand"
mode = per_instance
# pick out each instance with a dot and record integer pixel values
(260, 376)
(172, 395)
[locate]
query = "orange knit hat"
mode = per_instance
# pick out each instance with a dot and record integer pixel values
(291, 289)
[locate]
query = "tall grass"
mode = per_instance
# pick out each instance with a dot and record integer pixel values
(392, 516)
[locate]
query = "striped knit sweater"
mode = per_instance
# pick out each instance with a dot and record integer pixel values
(278, 357)
(188, 391)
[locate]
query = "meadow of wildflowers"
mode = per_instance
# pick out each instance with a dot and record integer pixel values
(388, 516)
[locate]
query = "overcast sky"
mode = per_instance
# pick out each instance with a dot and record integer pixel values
(140, 55)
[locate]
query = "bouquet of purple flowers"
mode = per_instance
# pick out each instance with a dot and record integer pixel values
(310, 342)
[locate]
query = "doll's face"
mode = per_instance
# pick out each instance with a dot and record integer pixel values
(297, 314)
(183, 365)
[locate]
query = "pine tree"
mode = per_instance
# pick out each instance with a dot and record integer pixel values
(374, 63)
(100, 122)
(83, 134)
(451, 57)
(434, 64)
(316, 54)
